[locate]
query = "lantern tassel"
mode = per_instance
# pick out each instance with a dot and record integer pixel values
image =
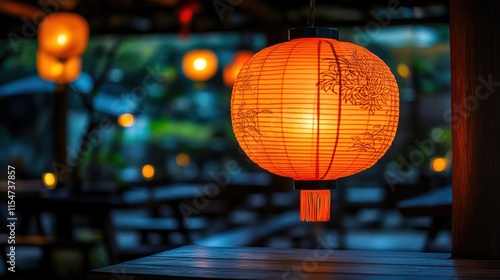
(315, 205)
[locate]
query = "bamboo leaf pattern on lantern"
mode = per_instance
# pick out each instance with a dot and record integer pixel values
(245, 82)
(246, 121)
(366, 142)
(362, 80)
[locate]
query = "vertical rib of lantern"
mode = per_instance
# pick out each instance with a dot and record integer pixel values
(281, 111)
(356, 157)
(339, 111)
(318, 111)
(269, 158)
(315, 205)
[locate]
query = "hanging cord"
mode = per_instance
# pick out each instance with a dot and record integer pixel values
(312, 13)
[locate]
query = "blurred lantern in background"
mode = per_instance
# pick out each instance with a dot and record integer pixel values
(62, 39)
(199, 65)
(60, 71)
(315, 109)
(231, 70)
(186, 14)
(63, 35)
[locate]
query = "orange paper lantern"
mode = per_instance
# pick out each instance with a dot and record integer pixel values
(231, 70)
(199, 65)
(56, 70)
(63, 35)
(315, 109)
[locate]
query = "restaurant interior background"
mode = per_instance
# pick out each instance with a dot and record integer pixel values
(141, 113)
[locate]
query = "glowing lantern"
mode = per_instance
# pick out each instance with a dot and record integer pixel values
(231, 70)
(63, 35)
(55, 70)
(186, 13)
(315, 109)
(200, 65)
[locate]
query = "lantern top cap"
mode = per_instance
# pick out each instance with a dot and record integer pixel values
(313, 32)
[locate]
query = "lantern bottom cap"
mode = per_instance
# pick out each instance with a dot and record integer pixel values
(314, 184)
(315, 205)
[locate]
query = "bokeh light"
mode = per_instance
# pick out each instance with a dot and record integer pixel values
(439, 164)
(182, 159)
(126, 120)
(403, 71)
(49, 180)
(148, 171)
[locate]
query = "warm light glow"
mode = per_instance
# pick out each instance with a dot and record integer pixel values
(182, 159)
(55, 70)
(293, 117)
(148, 171)
(62, 39)
(49, 180)
(403, 71)
(439, 164)
(200, 65)
(126, 120)
(315, 109)
(63, 35)
(231, 70)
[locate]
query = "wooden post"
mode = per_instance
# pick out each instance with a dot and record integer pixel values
(475, 70)
(60, 124)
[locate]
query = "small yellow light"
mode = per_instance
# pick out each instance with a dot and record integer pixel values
(62, 39)
(403, 71)
(49, 180)
(148, 171)
(439, 164)
(182, 159)
(200, 64)
(126, 120)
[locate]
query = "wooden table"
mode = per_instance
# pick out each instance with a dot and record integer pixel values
(196, 262)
